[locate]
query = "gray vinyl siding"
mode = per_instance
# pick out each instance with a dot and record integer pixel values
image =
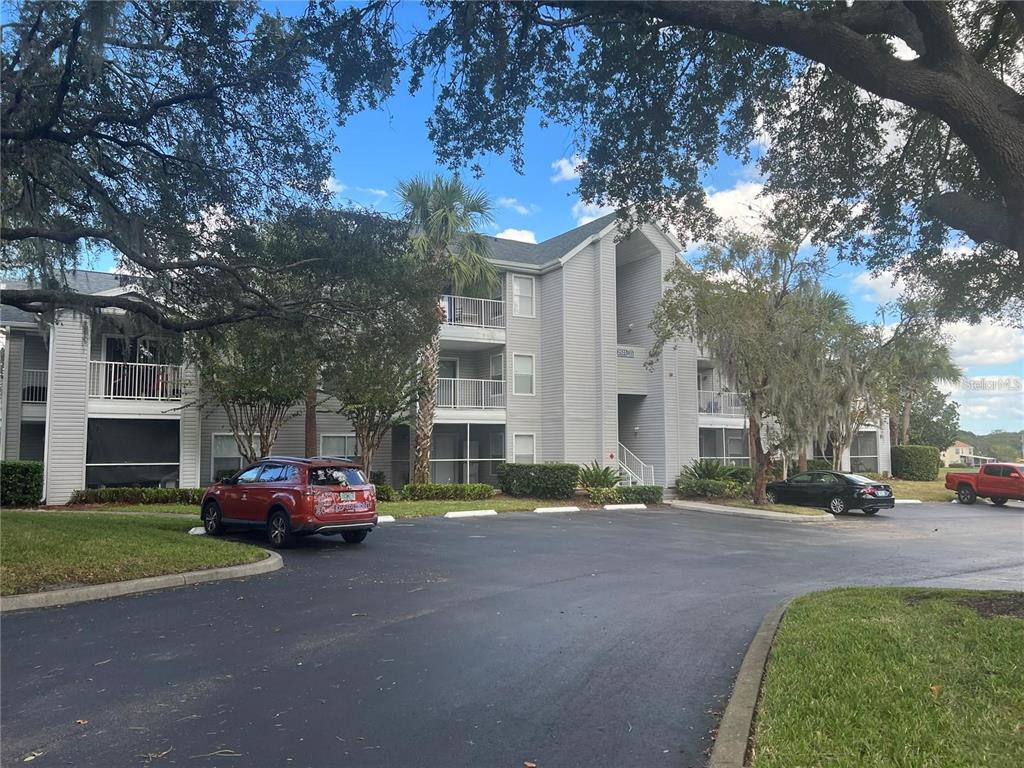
(290, 440)
(582, 380)
(551, 312)
(190, 432)
(66, 407)
(523, 337)
(15, 364)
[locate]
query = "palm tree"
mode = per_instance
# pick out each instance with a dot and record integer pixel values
(445, 215)
(920, 361)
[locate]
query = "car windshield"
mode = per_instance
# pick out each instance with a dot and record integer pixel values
(336, 476)
(860, 479)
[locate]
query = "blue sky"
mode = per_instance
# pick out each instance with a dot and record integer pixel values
(377, 149)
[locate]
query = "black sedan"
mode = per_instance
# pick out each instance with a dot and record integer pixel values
(835, 492)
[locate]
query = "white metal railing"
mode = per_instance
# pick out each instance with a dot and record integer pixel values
(134, 381)
(475, 313)
(725, 403)
(634, 471)
(470, 393)
(33, 386)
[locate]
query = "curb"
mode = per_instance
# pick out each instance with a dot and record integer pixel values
(906, 501)
(385, 518)
(625, 506)
(546, 510)
(55, 597)
(730, 748)
(782, 517)
(471, 513)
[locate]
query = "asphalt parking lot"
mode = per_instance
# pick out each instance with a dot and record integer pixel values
(588, 639)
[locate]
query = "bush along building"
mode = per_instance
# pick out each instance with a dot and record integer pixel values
(551, 368)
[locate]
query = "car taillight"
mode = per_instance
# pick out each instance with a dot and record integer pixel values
(869, 491)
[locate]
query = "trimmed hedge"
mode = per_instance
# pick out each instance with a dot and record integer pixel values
(641, 494)
(602, 495)
(446, 491)
(21, 483)
(915, 462)
(541, 481)
(710, 489)
(385, 492)
(137, 496)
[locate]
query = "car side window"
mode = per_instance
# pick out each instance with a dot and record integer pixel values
(1003, 471)
(803, 478)
(249, 475)
(272, 473)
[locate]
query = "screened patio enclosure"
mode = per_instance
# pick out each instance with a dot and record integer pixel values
(467, 453)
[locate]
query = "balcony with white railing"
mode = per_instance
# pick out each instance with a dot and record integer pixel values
(34, 383)
(467, 319)
(720, 403)
(134, 381)
(473, 394)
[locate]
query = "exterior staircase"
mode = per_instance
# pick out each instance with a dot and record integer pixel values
(633, 470)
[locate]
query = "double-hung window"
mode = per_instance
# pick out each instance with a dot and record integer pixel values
(524, 449)
(522, 375)
(522, 296)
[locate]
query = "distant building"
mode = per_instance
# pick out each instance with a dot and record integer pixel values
(962, 453)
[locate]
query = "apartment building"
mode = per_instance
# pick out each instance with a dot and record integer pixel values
(550, 369)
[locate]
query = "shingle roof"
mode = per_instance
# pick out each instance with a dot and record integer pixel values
(80, 281)
(551, 249)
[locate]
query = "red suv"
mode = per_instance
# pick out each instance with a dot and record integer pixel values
(294, 497)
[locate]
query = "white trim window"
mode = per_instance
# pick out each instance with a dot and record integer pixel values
(523, 374)
(339, 445)
(523, 293)
(225, 458)
(524, 448)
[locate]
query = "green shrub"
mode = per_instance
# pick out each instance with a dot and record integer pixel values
(21, 483)
(137, 496)
(378, 478)
(541, 481)
(446, 491)
(385, 492)
(915, 462)
(641, 494)
(601, 495)
(595, 476)
(706, 469)
(959, 465)
(741, 474)
(726, 489)
(819, 465)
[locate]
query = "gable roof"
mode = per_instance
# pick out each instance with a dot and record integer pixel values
(552, 249)
(79, 281)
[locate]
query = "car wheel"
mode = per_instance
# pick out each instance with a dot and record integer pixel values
(871, 511)
(773, 498)
(353, 537)
(279, 530)
(998, 501)
(838, 505)
(966, 495)
(212, 522)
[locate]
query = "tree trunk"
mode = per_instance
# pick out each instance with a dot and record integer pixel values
(801, 462)
(758, 457)
(894, 429)
(425, 412)
(785, 466)
(905, 435)
(311, 449)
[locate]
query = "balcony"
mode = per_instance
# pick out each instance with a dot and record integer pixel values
(720, 403)
(470, 393)
(33, 385)
(469, 323)
(134, 381)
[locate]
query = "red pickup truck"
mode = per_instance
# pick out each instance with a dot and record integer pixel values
(998, 482)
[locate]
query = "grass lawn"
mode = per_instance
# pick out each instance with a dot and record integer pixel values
(40, 550)
(169, 509)
(914, 678)
(925, 490)
(499, 504)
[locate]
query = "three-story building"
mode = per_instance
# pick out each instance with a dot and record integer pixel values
(552, 368)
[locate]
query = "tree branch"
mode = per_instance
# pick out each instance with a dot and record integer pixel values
(982, 220)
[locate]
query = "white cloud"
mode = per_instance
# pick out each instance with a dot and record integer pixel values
(333, 186)
(522, 235)
(584, 213)
(881, 287)
(987, 403)
(522, 209)
(902, 50)
(380, 194)
(741, 205)
(566, 168)
(984, 344)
